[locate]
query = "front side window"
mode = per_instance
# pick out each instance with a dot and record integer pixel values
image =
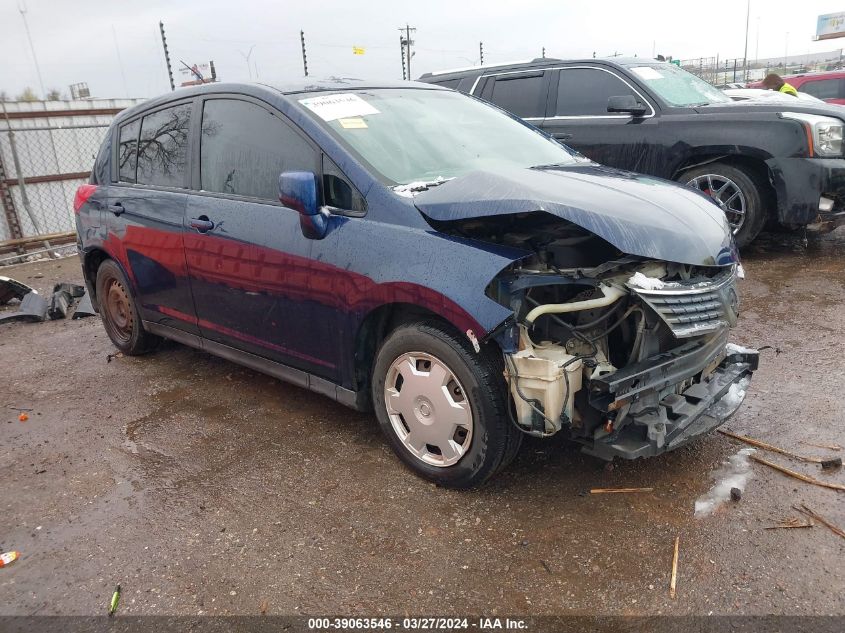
(823, 88)
(127, 152)
(163, 147)
(244, 148)
(677, 87)
(413, 134)
(585, 91)
(519, 94)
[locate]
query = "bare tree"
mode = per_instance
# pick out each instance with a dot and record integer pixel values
(54, 95)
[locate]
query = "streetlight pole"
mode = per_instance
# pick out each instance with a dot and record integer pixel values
(22, 8)
(745, 54)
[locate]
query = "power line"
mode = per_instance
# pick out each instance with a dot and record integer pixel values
(22, 8)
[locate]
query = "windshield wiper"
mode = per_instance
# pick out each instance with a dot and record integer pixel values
(411, 188)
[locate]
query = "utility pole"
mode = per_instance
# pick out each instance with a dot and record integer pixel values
(745, 54)
(402, 50)
(481, 53)
(22, 8)
(166, 56)
(246, 58)
(304, 59)
(407, 43)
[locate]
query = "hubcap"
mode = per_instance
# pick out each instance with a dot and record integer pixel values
(119, 309)
(428, 409)
(727, 195)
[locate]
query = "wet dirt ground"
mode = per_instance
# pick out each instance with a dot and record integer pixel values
(205, 488)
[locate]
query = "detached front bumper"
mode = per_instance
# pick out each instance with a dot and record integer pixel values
(810, 191)
(677, 418)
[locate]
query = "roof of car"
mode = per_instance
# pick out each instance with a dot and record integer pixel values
(540, 62)
(342, 83)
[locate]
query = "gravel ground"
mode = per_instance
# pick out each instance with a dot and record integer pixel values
(205, 488)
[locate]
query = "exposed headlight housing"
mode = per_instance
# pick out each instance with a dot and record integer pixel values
(826, 132)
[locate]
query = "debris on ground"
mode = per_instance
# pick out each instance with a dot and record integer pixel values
(733, 473)
(546, 566)
(673, 581)
(831, 463)
(110, 357)
(12, 289)
(7, 558)
(263, 607)
(830, 447)
(23, 417)
(84, 308)
(736, 494)
(607, 491)
(59, 304)
(33, 307)
(788, 523)
(815, 515)
(797, 475)
(115, 598)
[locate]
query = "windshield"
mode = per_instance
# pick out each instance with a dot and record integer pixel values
(414, 135)
(677, 87)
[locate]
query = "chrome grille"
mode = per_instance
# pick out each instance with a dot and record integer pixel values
(695, 308)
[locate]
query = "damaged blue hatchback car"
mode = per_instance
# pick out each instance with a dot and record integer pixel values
(408, 249)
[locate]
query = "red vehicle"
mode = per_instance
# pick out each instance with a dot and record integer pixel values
(827, 86)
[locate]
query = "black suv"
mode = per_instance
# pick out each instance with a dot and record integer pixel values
(760, 161)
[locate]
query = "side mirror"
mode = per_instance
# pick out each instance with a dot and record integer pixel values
(627, 104)
(298, 191)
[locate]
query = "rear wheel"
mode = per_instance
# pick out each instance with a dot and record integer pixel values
(737, 193)
(119, 312)
(442, 406)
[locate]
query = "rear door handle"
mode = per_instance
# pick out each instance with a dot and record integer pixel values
(116, 208)
(202, 224)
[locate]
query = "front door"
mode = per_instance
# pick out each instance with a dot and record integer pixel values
(247, 257)
(579, 118)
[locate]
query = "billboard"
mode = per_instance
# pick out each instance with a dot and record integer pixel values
(830, 26)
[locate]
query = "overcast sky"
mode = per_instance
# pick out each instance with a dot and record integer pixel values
(86, 40)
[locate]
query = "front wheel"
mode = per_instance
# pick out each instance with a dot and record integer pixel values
(442, 406)
(737, 193)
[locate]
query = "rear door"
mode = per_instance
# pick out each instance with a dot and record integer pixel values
(247, 257)
(523, 93)
(578, 116)
(145, 212)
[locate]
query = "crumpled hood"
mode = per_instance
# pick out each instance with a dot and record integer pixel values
(638, 214)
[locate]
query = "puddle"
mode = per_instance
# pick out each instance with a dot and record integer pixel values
(733, 473)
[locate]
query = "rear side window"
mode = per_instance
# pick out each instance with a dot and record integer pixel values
(585, 91)
(519, 94)
(127, 152)
(244, 148)
(163, 147)
(823, 88)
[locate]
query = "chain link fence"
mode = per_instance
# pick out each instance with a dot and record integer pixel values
(41, 168)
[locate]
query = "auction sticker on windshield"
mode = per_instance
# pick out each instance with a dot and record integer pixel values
(342, 106)
(647, 72)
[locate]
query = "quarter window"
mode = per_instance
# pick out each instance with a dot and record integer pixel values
(163, 147)
(585, 91)
(127, 152)
(520, 95)
(244, 148)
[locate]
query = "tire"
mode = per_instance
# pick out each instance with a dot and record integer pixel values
(120, 312)
(733, 179)
(477, 439)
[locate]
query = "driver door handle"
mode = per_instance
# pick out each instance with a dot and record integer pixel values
(202, 224)
(116, 208)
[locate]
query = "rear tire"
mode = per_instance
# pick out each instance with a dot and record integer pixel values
(120, 312)
(737, 191)
(443, 406)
